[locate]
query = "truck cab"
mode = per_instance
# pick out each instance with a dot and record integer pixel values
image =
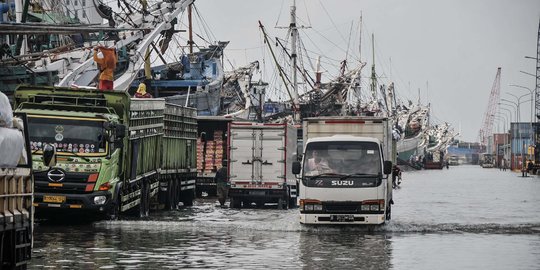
(87, 158)
(92, 151)
(343, 179)
(86, 142)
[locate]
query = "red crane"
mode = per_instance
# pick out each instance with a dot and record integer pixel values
(487, 126)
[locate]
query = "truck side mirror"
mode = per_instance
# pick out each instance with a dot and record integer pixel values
(296, 167)
(49, 155)
(387, 167)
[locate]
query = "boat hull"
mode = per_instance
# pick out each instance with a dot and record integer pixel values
(409, 146)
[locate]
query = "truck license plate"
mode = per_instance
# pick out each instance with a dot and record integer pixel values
(257, 192)
(342, 218)
(54, 199)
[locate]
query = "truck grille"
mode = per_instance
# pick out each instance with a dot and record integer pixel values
(342, 207)
(72, 183)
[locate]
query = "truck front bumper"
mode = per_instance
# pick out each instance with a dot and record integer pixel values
(342, 218)
(73, 201)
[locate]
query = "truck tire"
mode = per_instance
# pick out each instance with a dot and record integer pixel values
(187, 198)
(283, 203)
(292, 202)
(235, 202)
(389, 212)
(114, 212)
(144, 205)
(175, 194)
(170, 196)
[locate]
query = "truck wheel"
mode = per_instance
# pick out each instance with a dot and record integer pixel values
(188, 197)
(283, 203)
(148, 199)
(389, 212)
(292, 202)
(114, 212)
(235, 202)
(145, 201)
(175, 194)
(170, 196)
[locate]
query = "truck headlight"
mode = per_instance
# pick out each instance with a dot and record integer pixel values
(374, 207)
(99, 200)
(309, 207)
(317, 207)
(365, 207)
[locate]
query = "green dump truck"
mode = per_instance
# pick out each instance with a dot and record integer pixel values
(111, 154)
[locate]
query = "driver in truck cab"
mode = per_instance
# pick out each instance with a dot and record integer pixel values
(318, 163)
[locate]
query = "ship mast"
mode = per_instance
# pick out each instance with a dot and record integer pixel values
(373, 74)
(294, 37)
(190, 41)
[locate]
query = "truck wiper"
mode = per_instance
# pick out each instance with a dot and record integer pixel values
(358, 174)
(325, 174)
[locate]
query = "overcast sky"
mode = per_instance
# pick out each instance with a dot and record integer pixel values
(450, 50)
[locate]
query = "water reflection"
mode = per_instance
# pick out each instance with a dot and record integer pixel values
(345, 250)
(462, 218)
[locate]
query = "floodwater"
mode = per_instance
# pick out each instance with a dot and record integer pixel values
(462, 218)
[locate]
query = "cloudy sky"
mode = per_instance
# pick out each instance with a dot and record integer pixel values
(450, 50)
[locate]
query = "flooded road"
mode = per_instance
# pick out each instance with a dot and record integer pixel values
(462, 218)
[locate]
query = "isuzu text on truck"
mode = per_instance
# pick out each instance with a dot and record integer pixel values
(343, 174)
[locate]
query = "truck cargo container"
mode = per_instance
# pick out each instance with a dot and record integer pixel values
(108, 148)
(16, 190)
(212, 151)
(344, 172)
(261, 156)
(178, 170)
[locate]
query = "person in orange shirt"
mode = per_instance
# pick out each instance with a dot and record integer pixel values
(106, 65)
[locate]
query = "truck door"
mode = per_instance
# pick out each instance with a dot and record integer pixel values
(241, 155)
(272, 150)
(257, 155)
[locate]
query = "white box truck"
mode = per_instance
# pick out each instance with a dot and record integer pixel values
(261, 156)
(343, 177)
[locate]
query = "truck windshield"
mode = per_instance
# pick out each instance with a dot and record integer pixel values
(342, 158)
(68, 135)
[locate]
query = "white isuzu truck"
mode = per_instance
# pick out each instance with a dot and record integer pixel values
(261, 156)
(344, 173)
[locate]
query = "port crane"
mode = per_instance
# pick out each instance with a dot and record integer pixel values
(487, 127)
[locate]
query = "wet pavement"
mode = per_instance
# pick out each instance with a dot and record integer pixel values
(462, 218)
